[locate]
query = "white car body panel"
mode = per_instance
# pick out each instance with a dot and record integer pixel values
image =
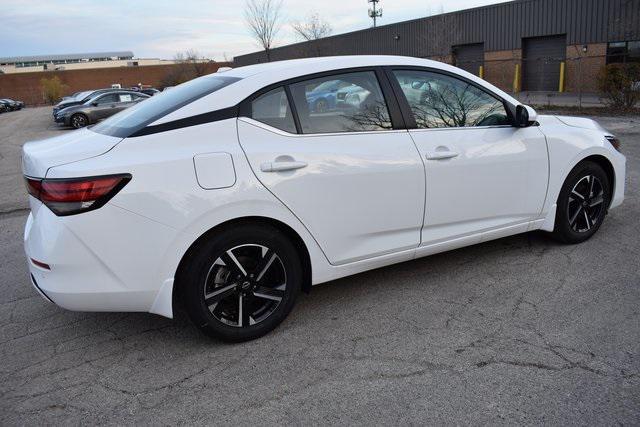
(497, 178)
(39, 156)
(359, 203)
(361, 194)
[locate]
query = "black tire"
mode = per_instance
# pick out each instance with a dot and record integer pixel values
(79, 120)
(582, 204)
(205, 277)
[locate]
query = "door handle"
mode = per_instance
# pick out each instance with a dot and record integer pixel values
(441, 155)
(281, 166)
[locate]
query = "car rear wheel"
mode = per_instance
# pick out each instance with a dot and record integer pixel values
(582, 203)
(242, 283)
(79, 121)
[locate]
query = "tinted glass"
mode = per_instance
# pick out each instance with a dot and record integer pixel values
(272, 109)
(341, 103)
(141, 114)
(439, 101)
(105, 99)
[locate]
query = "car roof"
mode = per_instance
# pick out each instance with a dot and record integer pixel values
(311, 65)
(255, 77)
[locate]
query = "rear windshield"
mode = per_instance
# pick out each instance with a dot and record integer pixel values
(133, 119)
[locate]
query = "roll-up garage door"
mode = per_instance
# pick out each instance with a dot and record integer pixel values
(469, 57)
(541, 58)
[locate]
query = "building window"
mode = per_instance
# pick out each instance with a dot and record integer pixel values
(621, 52)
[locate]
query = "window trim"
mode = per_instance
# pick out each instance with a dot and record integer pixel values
(407, 113)
(395, 115)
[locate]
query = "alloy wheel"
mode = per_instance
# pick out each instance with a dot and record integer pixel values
(586, 202)
(78, 121)
(245, 285)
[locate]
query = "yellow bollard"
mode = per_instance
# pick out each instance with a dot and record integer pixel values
(561, 84)
(481, 71)
(516, 79)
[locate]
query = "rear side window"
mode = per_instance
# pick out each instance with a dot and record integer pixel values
(125, 97)
(272, 108)
(349, 102)
(141, 114)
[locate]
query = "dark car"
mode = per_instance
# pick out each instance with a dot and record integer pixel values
(98, 107)
(150, 91)
(11, 105)
(80, 98)
(146, 90)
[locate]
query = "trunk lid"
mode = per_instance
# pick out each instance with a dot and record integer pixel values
(39, 156)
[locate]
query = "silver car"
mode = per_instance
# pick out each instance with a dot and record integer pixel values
(98, 108)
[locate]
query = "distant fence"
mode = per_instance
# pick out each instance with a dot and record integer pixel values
(27, 86)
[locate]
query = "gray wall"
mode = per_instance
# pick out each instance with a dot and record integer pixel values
(500, 27)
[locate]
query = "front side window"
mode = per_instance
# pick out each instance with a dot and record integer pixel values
(348, 102)
(131, 120)
(106, 99)
(272, 108)
(441, 101)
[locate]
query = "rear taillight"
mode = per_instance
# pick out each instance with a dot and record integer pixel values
(75, 195)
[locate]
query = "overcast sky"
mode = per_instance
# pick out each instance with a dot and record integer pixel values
(159, 29)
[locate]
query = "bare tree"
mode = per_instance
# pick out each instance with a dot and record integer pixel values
(264, 21)
(188, 65)
(313, 28)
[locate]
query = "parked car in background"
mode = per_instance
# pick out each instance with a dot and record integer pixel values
(11, 105)
(73, 95)
(98, 108)
(229, 195)
(334, 94)
(80, 98)
(146, 90)
(150, 91)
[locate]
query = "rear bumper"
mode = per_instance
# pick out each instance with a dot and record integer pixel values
(84, 278)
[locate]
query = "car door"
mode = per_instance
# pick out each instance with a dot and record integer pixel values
(104, 106)
(483, 175)
(352, 179)
(125, 100)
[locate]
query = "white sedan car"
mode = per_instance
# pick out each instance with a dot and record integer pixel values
(229, 194)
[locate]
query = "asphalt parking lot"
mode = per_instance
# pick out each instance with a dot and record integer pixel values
(518, 330)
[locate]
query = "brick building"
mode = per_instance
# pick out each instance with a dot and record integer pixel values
(522, 45)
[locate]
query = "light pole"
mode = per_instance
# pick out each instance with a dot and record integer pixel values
(374, 12)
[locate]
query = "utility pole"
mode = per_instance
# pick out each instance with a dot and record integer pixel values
(374, 12)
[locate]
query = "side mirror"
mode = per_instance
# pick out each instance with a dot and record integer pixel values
(525, 116)
(416, 84)
(94, 103)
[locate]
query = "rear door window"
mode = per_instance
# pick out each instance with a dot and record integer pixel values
(350, 102)
(125, 97)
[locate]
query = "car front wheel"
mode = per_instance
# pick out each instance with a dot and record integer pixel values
(79, 121)
(242, 283)
(582, 203)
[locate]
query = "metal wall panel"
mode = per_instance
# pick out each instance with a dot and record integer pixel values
(499, 27)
